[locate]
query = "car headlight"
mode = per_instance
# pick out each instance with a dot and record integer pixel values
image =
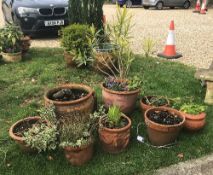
(23, 11)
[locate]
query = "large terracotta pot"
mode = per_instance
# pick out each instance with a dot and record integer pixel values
(25, 43)
(68, 57)
(125, 100)
(18, 139)
(114, 140)
(194, 122)
(78, 156)
(145, 106)
(11, 57)
(160, 134)
(68, 109)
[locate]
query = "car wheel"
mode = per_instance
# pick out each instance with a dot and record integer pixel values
(172, 7)
(146, 7)
(128, 3)
(121, 6)
(186, 5)
(159, 6)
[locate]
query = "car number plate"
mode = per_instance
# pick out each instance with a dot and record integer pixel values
(54, 23)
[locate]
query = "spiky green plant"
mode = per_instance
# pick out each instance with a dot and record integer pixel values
(114, 115)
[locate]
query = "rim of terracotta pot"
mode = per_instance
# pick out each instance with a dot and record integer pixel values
(116, 129)
(74, 148)
(200, 116)
(11, 133)
(158, 126)
(120, 92)
(71, 86)
(11, 54)
(142, 103)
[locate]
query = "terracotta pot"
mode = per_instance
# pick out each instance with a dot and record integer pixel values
(145, 106)
(126, 100)
(18, 139)
(194, 122)
(114, 140)
(25, 43)
(11, 57)
(159, 134)
(68, 57)
(68, 109)
(78, 156)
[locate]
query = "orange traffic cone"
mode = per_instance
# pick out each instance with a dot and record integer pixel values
(169, 51)
(203, 8)
(197, 7)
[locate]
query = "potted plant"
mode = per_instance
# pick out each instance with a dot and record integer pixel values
(25, 43)
(163, 125)
(76, 43)
(36, 133)
(114, 130)
(10, 43)
(70, 99)
(77, 139)
(195, 116)
(148, 102)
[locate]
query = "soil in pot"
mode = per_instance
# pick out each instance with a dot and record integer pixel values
(115, 140)
(116, 85)
(68, 94)
(163, 125)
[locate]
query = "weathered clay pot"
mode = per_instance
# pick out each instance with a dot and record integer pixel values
(25, 41)
(125, 100)
(159, 134)
(68, 57)
(69, 109)
(114, 140)
(18, 139)
(78, 156)
(194, 122)
(145, 106)
(11, 57)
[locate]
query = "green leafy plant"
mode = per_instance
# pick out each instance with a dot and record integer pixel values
(10, 39)
(193, 108)
(134, 83)
(76, 39)
(148, 46)
(114, 115)
(43, 134)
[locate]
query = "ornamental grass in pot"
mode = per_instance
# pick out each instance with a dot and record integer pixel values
(114, 130)
(36, 134)
(195, 116)
(10, 43)
(70, 99)
(148, 102)
(76, 41)
(77, 140)
(163, 125)
(120, 89)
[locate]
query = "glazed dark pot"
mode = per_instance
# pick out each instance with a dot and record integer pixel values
(78, 156)
(160, 134)
(125, 100)
(114, 140)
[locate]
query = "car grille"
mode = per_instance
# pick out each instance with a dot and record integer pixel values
(46, 11)
(58, 11)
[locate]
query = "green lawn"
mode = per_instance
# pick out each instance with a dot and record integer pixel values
(22, 86)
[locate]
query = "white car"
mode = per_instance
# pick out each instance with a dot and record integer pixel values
(159, 4)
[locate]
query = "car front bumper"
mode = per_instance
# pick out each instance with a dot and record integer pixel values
(151, 3)
(34, 23)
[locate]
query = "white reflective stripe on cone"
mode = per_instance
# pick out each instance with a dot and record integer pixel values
(170, 38)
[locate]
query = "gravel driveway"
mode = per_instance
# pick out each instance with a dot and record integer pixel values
(194, 33)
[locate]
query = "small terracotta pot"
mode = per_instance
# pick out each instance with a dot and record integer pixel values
(145, 106)
(194, 122)
(25, 41)
(68, 57)
(114, 140)
(11, 57)
(18, 139)
(159, 134)
(78, 156)
(125, 100)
